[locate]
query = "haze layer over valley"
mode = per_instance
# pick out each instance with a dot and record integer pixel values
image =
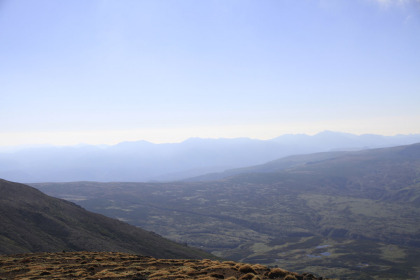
(144, 161)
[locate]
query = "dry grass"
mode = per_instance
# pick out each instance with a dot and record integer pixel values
(290, 277)
(108, 266)
(246, 268)
(277, 273)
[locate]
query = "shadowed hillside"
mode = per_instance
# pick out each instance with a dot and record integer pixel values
(34, 222)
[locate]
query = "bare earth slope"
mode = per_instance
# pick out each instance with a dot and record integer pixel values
(34, 222)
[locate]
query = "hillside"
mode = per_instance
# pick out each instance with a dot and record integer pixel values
(94, 265)
(351, 215)
(269, 167)
(34, 222)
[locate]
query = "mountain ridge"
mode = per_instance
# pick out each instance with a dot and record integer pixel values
(296, 161)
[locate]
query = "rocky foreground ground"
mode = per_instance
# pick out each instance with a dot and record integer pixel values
(100, 265)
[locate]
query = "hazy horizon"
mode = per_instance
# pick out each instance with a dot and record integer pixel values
(105, 72)
(15, 147)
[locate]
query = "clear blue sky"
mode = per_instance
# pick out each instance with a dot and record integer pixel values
(101, 72)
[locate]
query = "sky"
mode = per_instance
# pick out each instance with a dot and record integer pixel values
(103, 72)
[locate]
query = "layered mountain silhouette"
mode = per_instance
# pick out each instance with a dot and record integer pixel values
(143, 161)
(34, 222)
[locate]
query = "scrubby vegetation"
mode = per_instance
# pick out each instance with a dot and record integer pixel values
(107, 266)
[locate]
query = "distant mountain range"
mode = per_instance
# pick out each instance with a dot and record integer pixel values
(34, 222)
(142, 161)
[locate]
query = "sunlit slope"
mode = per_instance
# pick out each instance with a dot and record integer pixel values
(269, 167)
